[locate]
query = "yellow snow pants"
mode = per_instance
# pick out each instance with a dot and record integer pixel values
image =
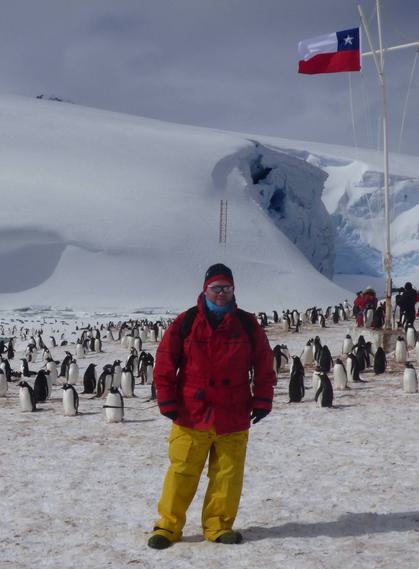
(188, 451)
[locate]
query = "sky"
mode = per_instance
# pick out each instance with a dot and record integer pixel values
(225, 64)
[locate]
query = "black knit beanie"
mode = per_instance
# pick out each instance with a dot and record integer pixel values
(218, 272)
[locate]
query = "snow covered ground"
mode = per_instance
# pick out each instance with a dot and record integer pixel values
(324, 488)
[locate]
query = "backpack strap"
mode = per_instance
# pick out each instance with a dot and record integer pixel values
(187, 322)
(248, 326)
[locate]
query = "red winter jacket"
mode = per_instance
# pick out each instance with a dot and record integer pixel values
(207, 382)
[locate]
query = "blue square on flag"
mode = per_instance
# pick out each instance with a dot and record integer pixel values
(348, 39)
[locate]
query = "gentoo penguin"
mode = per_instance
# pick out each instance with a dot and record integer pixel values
(41, 387)
(24, 368)
(410, 336)
(400, 352)
(325, 359)
(117, 373)
(5, 366)
(125, 341)
(315, 381)
(307, 356)
(378, 320)
(114, 407)
(80, 351)
(10, 350)
(127, 382)
(417, 351)
(317, 348)
(26, 397)
(339, 375)
(324, 395)
(369, 315)
(410, 380)
(352, 369)
(65, 364)
(279, 358)
(98, 345)
(104, 382)
(3, 384)
(380, 361)
(347, 344)
(322, 321)
(73, 373)
(52, 368)
(275, 317)
(132, 364)
(296, 388)
(89, 379)
(70, 400)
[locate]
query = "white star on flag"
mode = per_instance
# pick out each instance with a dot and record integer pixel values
(348, 40)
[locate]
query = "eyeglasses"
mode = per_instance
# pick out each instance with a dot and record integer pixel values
(221, 288)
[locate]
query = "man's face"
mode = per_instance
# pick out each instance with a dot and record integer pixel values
(218, 296)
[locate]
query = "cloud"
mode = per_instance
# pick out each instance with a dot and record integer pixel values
(223, 63)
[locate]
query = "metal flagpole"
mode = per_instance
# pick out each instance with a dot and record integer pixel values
(380, 68)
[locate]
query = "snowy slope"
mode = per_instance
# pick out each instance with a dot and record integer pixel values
(106, 210)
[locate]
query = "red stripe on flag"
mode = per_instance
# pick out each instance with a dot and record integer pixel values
(347, 60)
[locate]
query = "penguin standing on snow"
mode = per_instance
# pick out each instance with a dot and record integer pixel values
(279, 356)
(10, 350)
(3, 384)
(400, 351)
(89, 379)
(127, 382)
(5, 366)
(105, 381)
(296, 388)
(26, 397)
(70, 400)
(24, 368)
(347, 344)
(117, 374)
(380, 361)
(65, 364)
(307, 355)
(325, 359)
(340, 376)
(324, 395)
(410, 336)
(317, 347)
(410, 380)
(41, 387)
(114, 407)
(315, 381)
(352, 369)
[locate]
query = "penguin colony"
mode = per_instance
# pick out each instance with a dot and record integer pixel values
(38, 372)
(112, 383)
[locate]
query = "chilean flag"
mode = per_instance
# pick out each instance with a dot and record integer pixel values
(331, 53)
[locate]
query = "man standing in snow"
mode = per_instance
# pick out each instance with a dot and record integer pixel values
(407, 303)
(202, 379)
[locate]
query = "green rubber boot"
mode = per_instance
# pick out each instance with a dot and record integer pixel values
(159, 542)
(230, 537)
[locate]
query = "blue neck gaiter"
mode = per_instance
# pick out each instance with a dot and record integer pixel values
(218, 311)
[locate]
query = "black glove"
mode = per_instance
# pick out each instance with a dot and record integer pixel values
(172, 415)
(258, 414)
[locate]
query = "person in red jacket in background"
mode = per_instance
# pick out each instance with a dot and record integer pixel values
(202, 380)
